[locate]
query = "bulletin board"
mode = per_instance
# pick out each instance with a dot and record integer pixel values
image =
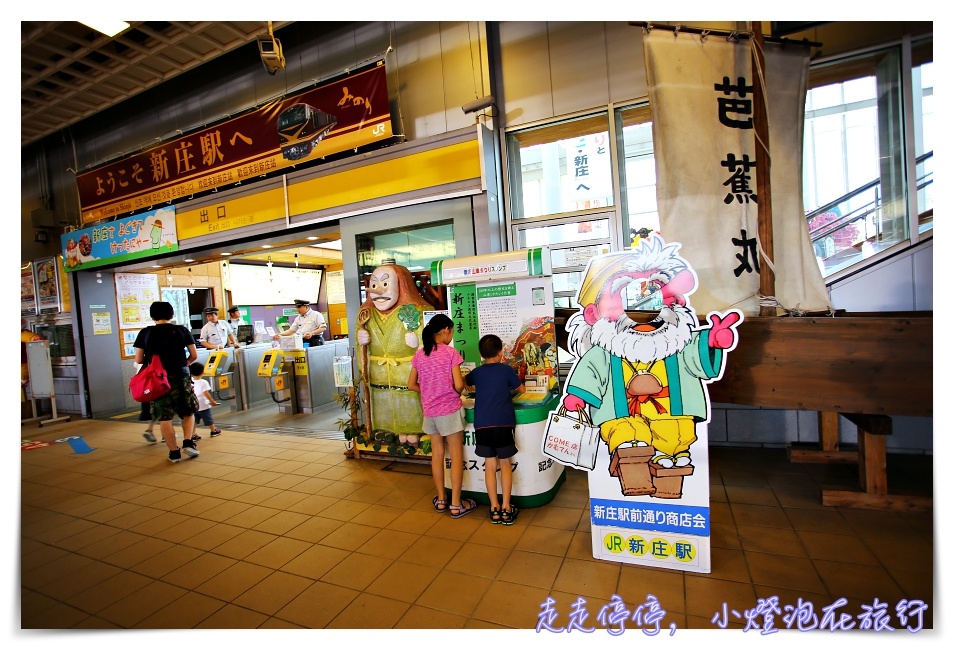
(135, 293)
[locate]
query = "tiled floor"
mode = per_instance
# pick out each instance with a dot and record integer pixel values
(278, 530)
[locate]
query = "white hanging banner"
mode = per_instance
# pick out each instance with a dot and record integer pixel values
(704, 139)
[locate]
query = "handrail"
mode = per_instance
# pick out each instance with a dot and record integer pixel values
(863, 211)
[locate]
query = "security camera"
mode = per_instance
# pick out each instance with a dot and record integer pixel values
(270, 50)
(478, 104)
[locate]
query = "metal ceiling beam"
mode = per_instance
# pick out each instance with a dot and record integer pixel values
(51, 100)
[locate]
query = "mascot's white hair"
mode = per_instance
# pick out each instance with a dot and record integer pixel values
(652, 254)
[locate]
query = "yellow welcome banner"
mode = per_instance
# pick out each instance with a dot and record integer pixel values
(415, 172)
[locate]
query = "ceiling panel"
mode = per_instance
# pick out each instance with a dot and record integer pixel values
(69, 71)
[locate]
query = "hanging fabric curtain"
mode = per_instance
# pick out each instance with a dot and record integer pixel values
(700, 90)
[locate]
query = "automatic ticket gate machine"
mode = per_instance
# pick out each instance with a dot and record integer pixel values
(278, 382)
(223, 387)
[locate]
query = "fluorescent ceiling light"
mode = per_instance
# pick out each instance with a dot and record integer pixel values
(106, 26)
(335, 245)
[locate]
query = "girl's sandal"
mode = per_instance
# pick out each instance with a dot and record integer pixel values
(439, 505)
(507, 517)
(495, 515)
(466, 507)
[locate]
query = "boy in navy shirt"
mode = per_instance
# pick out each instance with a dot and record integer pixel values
(494, 423)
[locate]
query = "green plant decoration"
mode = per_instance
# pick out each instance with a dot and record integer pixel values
(410, 316)
(377, 439)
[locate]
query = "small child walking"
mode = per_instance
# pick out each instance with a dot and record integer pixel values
(494, 422)
(203, 393)
(435, 374)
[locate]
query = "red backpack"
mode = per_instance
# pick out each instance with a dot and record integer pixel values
(151, 382)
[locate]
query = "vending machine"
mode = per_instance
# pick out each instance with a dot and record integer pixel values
(509, 294)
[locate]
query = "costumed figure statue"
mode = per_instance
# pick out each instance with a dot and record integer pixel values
(389, 333)
(644, 383)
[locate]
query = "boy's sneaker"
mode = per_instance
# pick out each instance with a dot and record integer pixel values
(188, 447)
(150, 437)
(196, 437)
(216, 432)
(175, 456)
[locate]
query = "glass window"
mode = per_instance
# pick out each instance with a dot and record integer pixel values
(637, 172)
(560, 168)
(414, 248)
(572, 244)
(572, 232)
(922, 78)
(853, 164)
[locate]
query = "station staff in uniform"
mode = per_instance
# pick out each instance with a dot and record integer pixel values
(216, 334)
(235, 318)
(309, 322)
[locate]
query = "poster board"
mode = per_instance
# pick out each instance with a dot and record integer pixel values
(135, 292)
(47, 285)
(508, 294)
(335, 287)
(27, 291)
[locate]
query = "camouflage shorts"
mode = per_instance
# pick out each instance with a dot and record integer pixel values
(179, 401)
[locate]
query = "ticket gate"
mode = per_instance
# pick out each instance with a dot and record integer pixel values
(314, 376)
(278, 381)
(218, 371)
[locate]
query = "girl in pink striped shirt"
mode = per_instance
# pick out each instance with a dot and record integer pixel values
(435, 374)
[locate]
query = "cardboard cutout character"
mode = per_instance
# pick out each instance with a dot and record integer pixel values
(644, 383)
(389, 333)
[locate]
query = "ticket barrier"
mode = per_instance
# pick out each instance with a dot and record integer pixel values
(223, 387)
(314, 375)
(278, 381)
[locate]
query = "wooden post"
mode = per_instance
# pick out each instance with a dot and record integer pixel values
(763, 170)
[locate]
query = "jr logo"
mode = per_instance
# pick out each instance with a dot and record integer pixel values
(613, 543)
(378, 130)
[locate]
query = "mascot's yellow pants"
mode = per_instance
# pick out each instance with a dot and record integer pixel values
(669, 435)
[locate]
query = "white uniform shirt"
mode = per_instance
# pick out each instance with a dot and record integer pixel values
(311, 321)
(235, 322)
(200, 386)
(215, 333)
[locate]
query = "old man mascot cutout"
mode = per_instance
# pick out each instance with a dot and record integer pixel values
(389, 333)
(643, 384)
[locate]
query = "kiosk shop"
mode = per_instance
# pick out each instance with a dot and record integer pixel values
(509, 294)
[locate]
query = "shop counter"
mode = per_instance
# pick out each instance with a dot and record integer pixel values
(536, 478)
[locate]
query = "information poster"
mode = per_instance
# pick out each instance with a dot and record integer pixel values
(135, 292)
(102, 324)
(128, 338)
(519, 311)
(343, 373)
(47, 285)
(27, 291)
(335, 287)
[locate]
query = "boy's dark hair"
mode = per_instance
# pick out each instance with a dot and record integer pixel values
(489, 346)
(161, 311)
(196, 369)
